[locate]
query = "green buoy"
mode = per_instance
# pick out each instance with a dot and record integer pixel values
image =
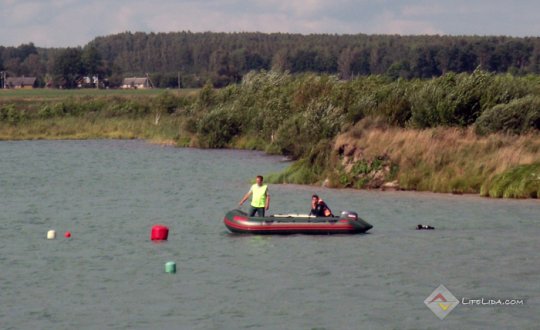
(170, 267)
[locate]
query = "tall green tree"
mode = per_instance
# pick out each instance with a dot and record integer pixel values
(91, 61)
(68, 66)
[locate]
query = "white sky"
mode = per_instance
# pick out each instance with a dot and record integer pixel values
(63, 23)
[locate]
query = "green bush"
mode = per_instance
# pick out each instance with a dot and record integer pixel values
(217, 128)
(393, 103)
(517, 117)
(503, 89)
(12, 115)
(289, 138)
(358, 110)
(297, 135)
(301, 172)
(165, 103)
(450, 100)
(207, 96)
(50, 111)
(121, 107)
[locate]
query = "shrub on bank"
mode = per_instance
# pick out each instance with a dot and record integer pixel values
(217, 128)
(10, 114)
(50, 111)
(450, 100)
(293, 114)
(516, 117)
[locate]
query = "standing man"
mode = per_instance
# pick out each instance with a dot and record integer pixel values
(260, 200)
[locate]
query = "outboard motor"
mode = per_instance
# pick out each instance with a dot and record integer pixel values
(349, 215)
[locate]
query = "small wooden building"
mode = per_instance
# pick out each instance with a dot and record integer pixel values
(136, 83)
(21, 82)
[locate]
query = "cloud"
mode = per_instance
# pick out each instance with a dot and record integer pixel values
(390, 23)
(423, 11)
(61, 23)
(19, 14)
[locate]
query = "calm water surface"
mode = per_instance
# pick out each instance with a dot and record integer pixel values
(109, 275)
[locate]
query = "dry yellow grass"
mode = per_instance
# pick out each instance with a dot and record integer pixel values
(442, 159)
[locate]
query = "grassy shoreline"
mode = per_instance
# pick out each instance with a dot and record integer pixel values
(440, 160)
(449, 160)
(468, 133)
(73, 128)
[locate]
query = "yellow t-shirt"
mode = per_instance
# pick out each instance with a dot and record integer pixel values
(259, 195)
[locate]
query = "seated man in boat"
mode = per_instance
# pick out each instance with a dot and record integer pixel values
(319, 207)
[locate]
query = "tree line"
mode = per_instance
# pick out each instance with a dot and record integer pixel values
(187, 59)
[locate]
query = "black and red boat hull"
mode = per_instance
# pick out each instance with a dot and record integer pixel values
(238, 221)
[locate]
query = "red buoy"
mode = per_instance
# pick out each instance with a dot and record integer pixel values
(67, 234)
(159, 233)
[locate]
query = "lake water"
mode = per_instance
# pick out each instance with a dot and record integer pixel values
(110, 275)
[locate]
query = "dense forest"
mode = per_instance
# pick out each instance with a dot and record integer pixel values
(186, 59)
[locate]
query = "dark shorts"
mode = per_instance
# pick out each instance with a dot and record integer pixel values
(258, 210)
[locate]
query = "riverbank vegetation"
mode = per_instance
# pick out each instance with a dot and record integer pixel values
(460, 133)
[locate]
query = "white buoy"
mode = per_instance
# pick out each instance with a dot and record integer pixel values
(51, 234)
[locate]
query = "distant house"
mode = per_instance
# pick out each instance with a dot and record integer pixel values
(21, 82)
(88, 82)
(136, 83)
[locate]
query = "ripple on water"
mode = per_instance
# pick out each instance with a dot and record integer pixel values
(110, 275)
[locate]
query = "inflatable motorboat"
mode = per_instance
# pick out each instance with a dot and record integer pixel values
(348, 222)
